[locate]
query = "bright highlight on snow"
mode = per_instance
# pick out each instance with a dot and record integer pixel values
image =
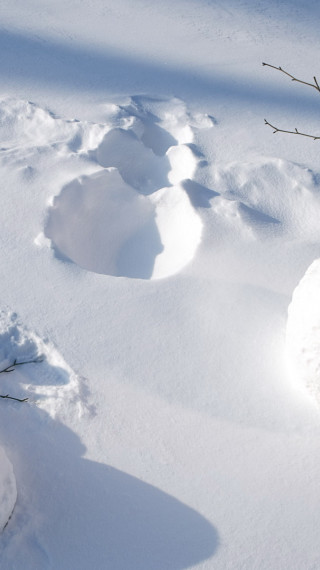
(303, 332)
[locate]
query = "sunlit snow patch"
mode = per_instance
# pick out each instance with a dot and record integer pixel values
(303, 331)
(24, 124)
(8, 490)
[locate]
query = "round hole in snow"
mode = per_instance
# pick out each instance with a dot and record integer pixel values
(104, 225)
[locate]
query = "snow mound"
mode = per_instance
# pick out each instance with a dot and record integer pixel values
(50, 382)
(8, 489)
(282, 197)
(24, 124)
(133, 219)
(303, 331)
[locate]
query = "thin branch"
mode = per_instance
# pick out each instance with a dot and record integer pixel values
(315, 85)
(12, 366)
(295, 132)
(16, 399)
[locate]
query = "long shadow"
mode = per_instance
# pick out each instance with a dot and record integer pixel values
(56, 64)
(77, 513)
(73, 512)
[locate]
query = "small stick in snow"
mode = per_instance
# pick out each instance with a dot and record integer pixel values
(315, 84)
(295, 132)
(11, 368)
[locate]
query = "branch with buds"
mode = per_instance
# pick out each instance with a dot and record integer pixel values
(315, 85)
(295, 132)
(11, 368)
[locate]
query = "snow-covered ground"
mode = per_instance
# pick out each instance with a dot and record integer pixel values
(160, 264)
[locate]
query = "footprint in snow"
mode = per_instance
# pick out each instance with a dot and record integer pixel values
(134, 218)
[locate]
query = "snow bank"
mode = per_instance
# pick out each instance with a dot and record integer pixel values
(8, 490)
(303, 331)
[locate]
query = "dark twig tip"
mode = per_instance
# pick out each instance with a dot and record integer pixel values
(11, 368)
(315, 84)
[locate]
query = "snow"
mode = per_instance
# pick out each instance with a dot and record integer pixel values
(160, 277)
(8, 490)
(124, 220)
(302, 335)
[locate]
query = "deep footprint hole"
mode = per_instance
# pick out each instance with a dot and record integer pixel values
(138, 165)
(102, 224)
(135, 218)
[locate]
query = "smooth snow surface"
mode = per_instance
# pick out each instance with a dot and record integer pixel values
(153, 233)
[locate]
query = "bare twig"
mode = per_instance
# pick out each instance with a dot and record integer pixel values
(16, 399)
(315, 85)
(295, 132)
(11, 368)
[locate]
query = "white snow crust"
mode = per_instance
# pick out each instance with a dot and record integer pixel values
(160, 274)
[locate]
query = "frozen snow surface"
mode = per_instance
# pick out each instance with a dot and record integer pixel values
(160, 280)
